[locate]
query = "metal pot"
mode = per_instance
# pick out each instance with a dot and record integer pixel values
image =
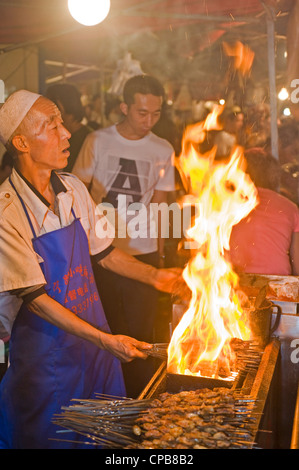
(260, 322)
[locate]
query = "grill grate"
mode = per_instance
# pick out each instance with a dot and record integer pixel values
(232, 421)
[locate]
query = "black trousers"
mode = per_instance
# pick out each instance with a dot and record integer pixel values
(131, 307)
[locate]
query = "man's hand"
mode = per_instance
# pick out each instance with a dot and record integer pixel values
(168, 280)
(124, 347)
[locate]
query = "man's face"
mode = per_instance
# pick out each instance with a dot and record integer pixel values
(143, 114)
(235, 125)
(48, 139)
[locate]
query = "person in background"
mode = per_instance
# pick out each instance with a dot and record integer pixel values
(288, 153)
(129, 163)
(257, 125)
(232, 121)
(289, 181)
(113, 113)
(267, 240)
(96, 112)
(60, 345)
(167, 129)
(87, 115)
(68, 100)
(288, 142)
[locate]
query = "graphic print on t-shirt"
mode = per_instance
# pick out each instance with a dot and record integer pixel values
(129, 179)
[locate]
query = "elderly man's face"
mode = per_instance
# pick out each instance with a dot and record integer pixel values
(48, 138)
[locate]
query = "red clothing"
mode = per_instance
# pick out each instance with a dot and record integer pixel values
(260, 243)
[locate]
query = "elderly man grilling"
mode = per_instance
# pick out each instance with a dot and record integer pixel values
(60, 346)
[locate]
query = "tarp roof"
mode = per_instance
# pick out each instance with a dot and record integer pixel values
(30, 20)
(33, 20)
(167, 36)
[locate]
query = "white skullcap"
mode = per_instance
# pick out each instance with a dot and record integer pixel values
(13, 112)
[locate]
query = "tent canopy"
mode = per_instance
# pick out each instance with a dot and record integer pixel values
(179, 39)
(34, 19)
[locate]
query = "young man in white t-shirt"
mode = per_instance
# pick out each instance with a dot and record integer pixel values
(129, 168)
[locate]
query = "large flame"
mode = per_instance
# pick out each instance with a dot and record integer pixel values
(223, 195)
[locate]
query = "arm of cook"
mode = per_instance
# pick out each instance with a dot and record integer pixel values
(21, 278)
(165, 280)
(118, 261)
(123, 347)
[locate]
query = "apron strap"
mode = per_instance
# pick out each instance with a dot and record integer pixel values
(24, 207)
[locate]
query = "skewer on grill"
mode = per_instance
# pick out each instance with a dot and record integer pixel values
(103, 421)
(158, 350)
(111, 423)
(108, 420)
(248, 357)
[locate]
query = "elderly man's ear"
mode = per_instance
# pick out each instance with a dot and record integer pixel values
(20, 143)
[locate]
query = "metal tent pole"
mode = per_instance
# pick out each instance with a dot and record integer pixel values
(270, 17)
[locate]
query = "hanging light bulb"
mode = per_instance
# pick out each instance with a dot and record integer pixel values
(287, 112)
(283, 94)
(89, 12)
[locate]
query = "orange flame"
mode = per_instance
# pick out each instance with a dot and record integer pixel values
(192, 169)
(242, 56)
(224, 195)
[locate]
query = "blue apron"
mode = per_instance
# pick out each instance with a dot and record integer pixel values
(49, 367)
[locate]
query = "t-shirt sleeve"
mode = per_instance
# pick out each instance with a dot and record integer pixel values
(166, 181)
(84, 167)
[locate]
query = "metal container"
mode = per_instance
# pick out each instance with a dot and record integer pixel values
(259, 320)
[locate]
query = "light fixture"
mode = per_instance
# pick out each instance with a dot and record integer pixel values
(283, 94)
(286, 112)
(89, 12)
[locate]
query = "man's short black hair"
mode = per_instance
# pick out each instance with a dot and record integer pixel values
(263, 168)
(69, 97)
(143, 84)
